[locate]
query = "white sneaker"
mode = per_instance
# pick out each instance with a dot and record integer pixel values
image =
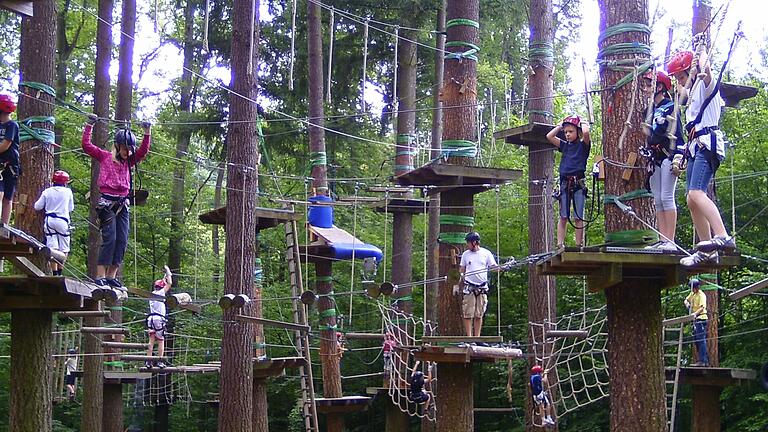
(667, 246)
(654, 246)
(549, 422)
(699, 257)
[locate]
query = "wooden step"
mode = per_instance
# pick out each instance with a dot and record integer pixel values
(142, 358)
(84, 314)
(105, 330)
(124, 345)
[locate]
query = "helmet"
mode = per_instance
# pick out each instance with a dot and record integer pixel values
(160, 283)
(679, 62)
(694, 283)
(536, 369)
(7, 105)
(661, 77)
(472, 237)
(60, 177)
(125, 137)
(573, 120)
(71, 351)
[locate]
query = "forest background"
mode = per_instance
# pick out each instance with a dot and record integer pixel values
(354, 164)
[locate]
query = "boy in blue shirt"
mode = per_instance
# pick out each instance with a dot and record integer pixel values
(573, 164)
(9, 156)
(540, 397)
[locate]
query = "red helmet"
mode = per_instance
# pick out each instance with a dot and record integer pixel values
(661, 77)
(574, 120)
(536, 369)
(7, 105)
(679, 62)
(60, 177)
(160, 283)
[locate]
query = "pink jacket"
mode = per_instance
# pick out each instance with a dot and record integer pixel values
(114, 176)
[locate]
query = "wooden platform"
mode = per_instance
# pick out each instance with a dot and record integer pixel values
(401, 205)
(465, 354)
(19, 6)
(607, 266)
(525, 135)
(54, 293)
(383, 391)
(181, 369)
(267, 217)
(346, 404)
(447, 177)
(276, 366)
(124, 377)
(709, 376)
(434, 340)
(732, 94)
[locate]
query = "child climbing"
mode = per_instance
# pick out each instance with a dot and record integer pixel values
(57, 203)
(114, 185)
(474, 266)
(540, 396)
(660, 149)
(389, 345)
(70, 366)
(156, 318)
(696, 302)
(573, 164)
(706, 149)
(10, 169)
(416, 393)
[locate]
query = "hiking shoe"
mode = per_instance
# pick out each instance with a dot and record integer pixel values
(148, 364)
(100, 282)
(548, 422)
(160, 364)
(114, 283)
(719, 243)
(699, 258)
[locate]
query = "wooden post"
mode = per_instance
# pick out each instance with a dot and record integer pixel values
(455, 398)
(705, 416)
(260, 403)
(634, 306)
(323, 269)
(542, 290)
(113, 407)
(236, 375)
(31, 342)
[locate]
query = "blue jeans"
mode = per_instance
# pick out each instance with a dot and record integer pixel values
(575, 198)
(700, 338)
(700, 170)
(114, 234)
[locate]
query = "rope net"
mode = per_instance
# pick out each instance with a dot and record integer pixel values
(580, 364)
(399, 366)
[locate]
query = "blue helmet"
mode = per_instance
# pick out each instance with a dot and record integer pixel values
(694, 283)
(472, 237)
(125, 137)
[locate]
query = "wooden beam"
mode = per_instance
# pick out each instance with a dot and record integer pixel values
(271, 323)
(105, 330)
(84, 313)
(124, 345)
(460, 339)
(578, 334)
(605, 277)
(141, 358)
(26, 266)
(25, 8)
(678, 320)
(627, 173)
(749, 289)
(495, 352)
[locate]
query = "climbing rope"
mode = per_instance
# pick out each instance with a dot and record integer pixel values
(331, 37)
(365, 64)
(293, 44)
(395, 102)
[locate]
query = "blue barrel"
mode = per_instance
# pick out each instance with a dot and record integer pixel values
(320, 216)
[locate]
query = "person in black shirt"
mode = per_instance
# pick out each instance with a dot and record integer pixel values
(9, 156)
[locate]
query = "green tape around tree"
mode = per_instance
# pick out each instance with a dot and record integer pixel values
(449, 219)
(403, 167)
(45, 88)
(463, 148)
(28, 133)
(623, 28)
(116, 308)
(404, 138)
(328, 327)
(462, 22)
(636, 72)
(452, 237)
(116, 363)
(625, 48)
(324, 278)
(469, 45)
(631, 237)
(629, 196)
(541, 50)
(328, 313)
(467, 55)
(317, 159)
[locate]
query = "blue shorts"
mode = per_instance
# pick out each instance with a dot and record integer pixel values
(579, 197)
(701, 169)
(8, 183)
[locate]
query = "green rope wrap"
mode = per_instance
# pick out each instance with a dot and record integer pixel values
(708, 282)
(452, 237)
(317, 159)
(45, 88)
(402, 299)
(541, 50)
(623, 28)
(328, 313)
(404, 138)
(28, 133)
(469, 54)
(636, 72)
(625, 48)
(324, 278)
(116, 308)
(462, 44)
(631, 237)
(629, 196)
(117, 364)
(463, 148)
(449, 219)
(462, 22)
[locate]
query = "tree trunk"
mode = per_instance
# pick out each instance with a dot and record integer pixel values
(542, 290)
(93, 367)
(260, 406)
(705, 416)
(455, 399)
(634, 308)
(260, 402)
(434, 203)
(31, 344)
(113, 407)
(124, 100)
(64, 49)
(236, 376)
(178, 198)
(215, 230)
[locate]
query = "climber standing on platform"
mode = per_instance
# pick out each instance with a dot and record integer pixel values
(474, 266)
(696, 302)
(57, 203)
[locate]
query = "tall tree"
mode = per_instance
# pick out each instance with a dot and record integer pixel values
(542, 290)
(634, 306)
(459, 89)
(236, 376)
(65, 46)
(93, 366)
(31, 344)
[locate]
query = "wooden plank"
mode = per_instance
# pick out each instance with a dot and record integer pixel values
(25, 8)
(401, 205)
(335, 235)
(54, 302)
(131, 375)
(461, 339)
(631, 160)
(749, 289)
(124, 345)
(475, 172)
(678, 320)
(74, 286)
(271, 323)
(717, 377)
(600, 167)
(483, 352)
(267, 217)
(578, 334)
(347, 404)
(85, 313)
(525, 135)
(605, 277)
(26, 266)
(732, 94)
(105, 330)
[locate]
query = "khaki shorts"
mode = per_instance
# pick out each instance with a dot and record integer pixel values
(473, 306)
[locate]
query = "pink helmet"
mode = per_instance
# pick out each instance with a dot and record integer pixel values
(60, 177)
(7, 104)
(536, 369)
(573, 120)
(679, 62)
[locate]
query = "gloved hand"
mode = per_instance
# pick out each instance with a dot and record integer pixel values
(678, 164)
(455, 290)
(92, 119)
(167, 270)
